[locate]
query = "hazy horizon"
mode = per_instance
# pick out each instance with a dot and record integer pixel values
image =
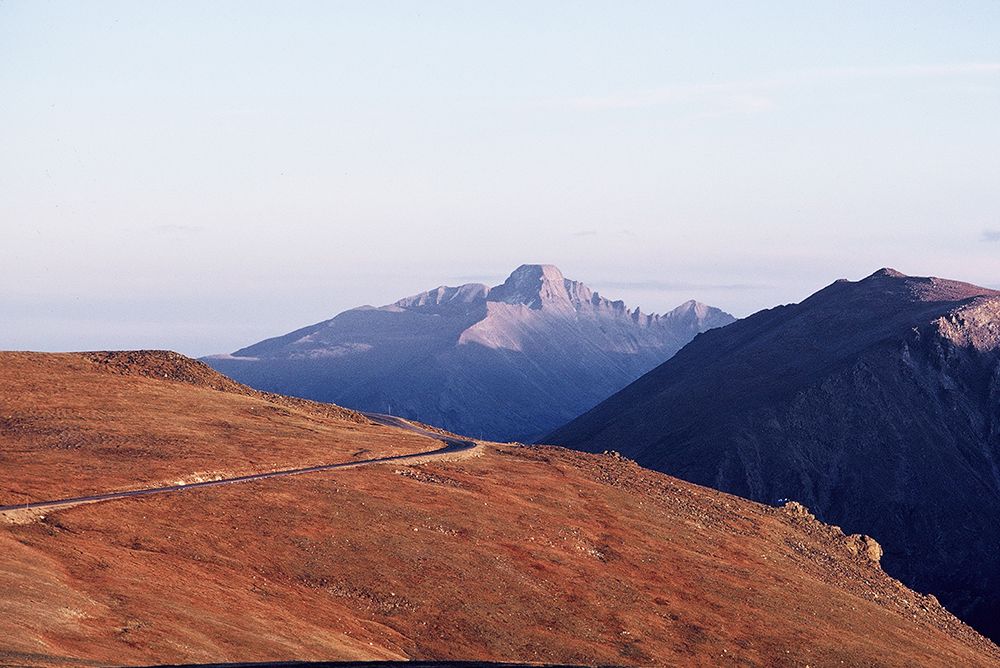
(199, 177)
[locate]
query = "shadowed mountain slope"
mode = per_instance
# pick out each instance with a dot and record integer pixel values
(520, 554)
(508, 363)
(876, 403)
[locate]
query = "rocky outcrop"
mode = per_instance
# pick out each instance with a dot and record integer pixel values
(876, 403)
(797, 510)
(507, 363)
(862, 545)
(858, 545)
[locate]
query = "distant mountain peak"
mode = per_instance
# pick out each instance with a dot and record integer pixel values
(533, 285)
(511, 361)
(888, 272)
(549, 272)
(692, 306)
(889, 284)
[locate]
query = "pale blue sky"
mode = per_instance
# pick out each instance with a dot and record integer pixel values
(198, 176)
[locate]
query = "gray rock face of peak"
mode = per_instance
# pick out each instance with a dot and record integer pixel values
(533, 285)
(470, 293)
(876, 403)
(508, 362)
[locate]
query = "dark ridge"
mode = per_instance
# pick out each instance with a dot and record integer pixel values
(873, 402)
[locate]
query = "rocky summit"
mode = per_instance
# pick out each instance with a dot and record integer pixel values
(510, 362)
(876, 403)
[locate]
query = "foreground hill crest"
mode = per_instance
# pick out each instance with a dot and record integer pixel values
(541, 346)
(529, 554)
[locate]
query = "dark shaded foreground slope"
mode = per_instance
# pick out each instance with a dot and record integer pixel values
(520, 554)
(875, 403)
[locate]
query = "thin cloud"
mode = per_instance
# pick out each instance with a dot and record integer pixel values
(756, 95)
(585, 233)
(746, 97)
(673, 286)
(911, 71)
(245, 111)
(991, 235)
(177, 229)
(487, 279)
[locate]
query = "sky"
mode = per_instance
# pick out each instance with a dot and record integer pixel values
(199, 176)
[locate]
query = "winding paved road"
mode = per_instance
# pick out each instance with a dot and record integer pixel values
(451, 446)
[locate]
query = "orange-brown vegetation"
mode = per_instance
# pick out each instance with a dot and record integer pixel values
(75, 424)
(523, 553)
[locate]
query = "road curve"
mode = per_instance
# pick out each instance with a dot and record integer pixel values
(452, 445)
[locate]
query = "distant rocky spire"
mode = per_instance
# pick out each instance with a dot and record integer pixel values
(533, 285)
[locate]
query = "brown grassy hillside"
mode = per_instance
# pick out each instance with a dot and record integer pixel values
(528, 554)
